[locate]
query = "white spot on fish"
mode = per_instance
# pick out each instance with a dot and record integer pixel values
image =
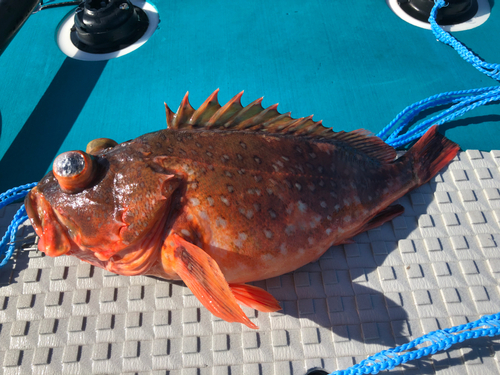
(357, 200)
(241, 238)
(329, 217)
(204, 215)
(210, 201)
(283, 249)
(298, 186)
(310, 240)
(249, 214)
(188, 169)
(340, 230)
(312, 155)
(311, 186)
(323, 204)
(243, 145)
(347, 218)
(185, 232)
(257, 159)
(256, 206)
(272, 214)
(230, 188)
(337, 207)
(268, 233)
(302, 206)
(220, 222)
(290, 229)
(347, 202)
(190, 217)
(328, 231)
(285, 158)
(224, 200)
(228, 174)
(267, 257)
(195, 201)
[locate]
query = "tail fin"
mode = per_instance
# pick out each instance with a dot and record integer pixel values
(431, 153)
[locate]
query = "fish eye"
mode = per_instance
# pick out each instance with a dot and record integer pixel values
(74, 171)
(99, 144)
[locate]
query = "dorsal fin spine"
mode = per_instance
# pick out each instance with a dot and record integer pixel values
(183, 113)
(201, 112)
(256, 122)
(224, 110)
(233, 117)
(247, 112)
(170, 115)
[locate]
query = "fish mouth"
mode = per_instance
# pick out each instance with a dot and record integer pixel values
(54, 240)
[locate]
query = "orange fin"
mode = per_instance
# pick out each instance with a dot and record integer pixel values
(254, 297)
(205, 279)
(254, 117)
(431, 153)
(387, 214)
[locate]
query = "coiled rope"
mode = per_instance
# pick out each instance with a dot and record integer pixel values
(464, 101)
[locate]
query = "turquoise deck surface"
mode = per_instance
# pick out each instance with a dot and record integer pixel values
(353, 64)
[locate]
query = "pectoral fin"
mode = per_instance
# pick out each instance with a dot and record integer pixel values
(203, 276)
(254, 297)
(387, 214)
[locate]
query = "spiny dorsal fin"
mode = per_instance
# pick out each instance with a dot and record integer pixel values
(254, 117)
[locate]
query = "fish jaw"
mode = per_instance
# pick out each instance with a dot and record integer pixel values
(54, 239)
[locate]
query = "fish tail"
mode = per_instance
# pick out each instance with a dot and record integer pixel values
(430, 154)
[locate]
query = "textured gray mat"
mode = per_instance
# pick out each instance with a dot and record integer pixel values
(436, 266)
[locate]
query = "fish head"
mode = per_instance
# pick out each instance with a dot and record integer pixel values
(102, 203)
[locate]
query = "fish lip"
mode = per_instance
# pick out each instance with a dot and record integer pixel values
(30, 205)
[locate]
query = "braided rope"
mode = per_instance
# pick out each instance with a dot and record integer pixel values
(20, 217)
(488, 325)
(464, 101)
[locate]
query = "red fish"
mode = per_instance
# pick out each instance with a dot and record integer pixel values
(224, 196)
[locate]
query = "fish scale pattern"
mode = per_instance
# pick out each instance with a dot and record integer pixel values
(436, 266)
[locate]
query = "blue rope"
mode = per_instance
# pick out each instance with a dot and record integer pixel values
(20, 217)
(491, 70)
(464, 101)
(488, 325)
